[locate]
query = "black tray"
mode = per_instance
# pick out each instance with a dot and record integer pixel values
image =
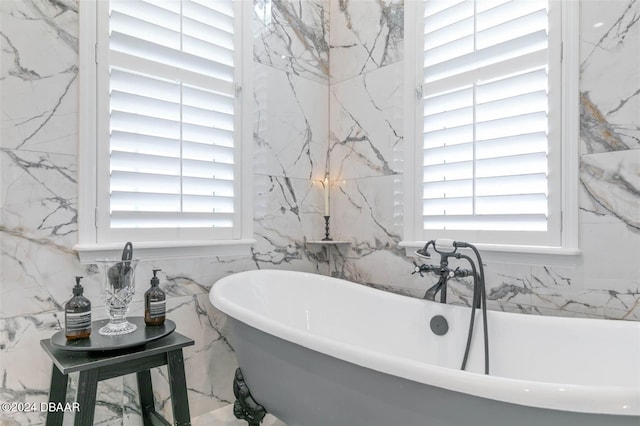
(97, 342)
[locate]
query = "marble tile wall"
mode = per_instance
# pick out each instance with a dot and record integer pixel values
(39, 200)
(366, 151)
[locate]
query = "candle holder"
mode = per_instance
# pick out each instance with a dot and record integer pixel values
(326, 229)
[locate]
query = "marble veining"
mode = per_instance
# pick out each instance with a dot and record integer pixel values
(292, 36)
(365, 35)
(366, 135)
(37, 121)
(288, 212)
(549, 291)
(598, 134)
(612, 182)
(290, 124)
(365, 215)
(52, 177)
(616, 32)
(609, 81)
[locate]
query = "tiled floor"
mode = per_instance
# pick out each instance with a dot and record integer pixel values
(224, 417)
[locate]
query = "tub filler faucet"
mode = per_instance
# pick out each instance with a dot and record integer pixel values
(448, 249)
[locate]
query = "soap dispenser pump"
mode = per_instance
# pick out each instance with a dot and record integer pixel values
(154, 303)
(77, 314)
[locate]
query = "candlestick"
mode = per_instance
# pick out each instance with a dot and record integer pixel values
(326, 196)
(326, 229)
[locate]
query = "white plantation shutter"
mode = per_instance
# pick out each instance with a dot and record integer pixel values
(485, 93)
(174, 121)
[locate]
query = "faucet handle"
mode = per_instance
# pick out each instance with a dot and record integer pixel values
(461, 273)
(417, 269)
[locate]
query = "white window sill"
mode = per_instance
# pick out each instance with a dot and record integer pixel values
(538, 255)
(89, 253)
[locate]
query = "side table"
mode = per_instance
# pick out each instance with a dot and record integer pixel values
(97, 366)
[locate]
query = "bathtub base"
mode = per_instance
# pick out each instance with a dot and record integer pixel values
(245, 407)
(307, 388)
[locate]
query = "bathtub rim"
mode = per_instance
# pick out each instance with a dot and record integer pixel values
(565, 397)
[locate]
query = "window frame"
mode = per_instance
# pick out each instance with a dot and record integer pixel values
(91, 245)
(567, 16)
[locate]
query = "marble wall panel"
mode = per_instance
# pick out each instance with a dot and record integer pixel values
(609, 78)
(611, 183)
(293, 36)
(39, 193)
(288, 213)
(610, 232)
(507, 285)
(38, 154)
(365, 35)
(613, 254)
(366, 124)
(291, 124)
(39, 223)
(367, 215)
(19, 340)
(39, 80)
(37, 276)
(571, 291)
(562, 289)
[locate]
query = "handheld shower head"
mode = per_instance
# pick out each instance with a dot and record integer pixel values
(445, 245)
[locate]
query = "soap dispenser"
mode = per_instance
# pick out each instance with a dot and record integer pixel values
(154, 303)
(77, 314)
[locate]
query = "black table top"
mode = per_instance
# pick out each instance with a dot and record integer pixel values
(98, 342)
(70, 361)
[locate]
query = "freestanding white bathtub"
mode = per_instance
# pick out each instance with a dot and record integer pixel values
(319, 351)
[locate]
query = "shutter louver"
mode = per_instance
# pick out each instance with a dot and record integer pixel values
(172, 106)
(485, 115)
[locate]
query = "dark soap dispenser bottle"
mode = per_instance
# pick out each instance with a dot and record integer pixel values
(77, 314)
(154, 303)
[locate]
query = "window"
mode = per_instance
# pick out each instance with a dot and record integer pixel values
(489, 116)
(170, 122)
